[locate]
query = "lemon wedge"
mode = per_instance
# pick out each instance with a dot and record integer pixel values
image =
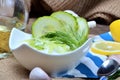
(115, 30)
(105, 47)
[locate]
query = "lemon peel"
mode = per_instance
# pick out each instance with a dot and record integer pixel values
(115, 30)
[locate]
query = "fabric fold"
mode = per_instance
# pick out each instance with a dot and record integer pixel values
(100, 10)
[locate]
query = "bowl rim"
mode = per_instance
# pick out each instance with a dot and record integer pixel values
(86, 44)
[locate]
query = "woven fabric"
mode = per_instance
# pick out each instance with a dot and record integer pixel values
(107, 10)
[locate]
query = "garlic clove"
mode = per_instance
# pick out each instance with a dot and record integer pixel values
(38, 74)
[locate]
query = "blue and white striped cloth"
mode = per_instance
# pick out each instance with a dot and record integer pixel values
(90, 63)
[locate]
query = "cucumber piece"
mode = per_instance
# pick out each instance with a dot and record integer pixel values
(66, 18)
(44, 25)
(69, 22)
(83, 30)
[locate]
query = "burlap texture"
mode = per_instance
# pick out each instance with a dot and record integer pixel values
(103, 11)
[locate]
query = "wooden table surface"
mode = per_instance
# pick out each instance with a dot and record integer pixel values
(11, 69)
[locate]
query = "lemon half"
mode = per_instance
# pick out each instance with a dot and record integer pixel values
(115, 30)
(106, 47)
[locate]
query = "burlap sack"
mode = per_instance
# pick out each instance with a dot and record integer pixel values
(103, 11)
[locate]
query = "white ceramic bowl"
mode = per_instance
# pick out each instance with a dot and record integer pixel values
(31, 58)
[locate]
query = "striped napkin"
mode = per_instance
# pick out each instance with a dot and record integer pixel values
(90, 63)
